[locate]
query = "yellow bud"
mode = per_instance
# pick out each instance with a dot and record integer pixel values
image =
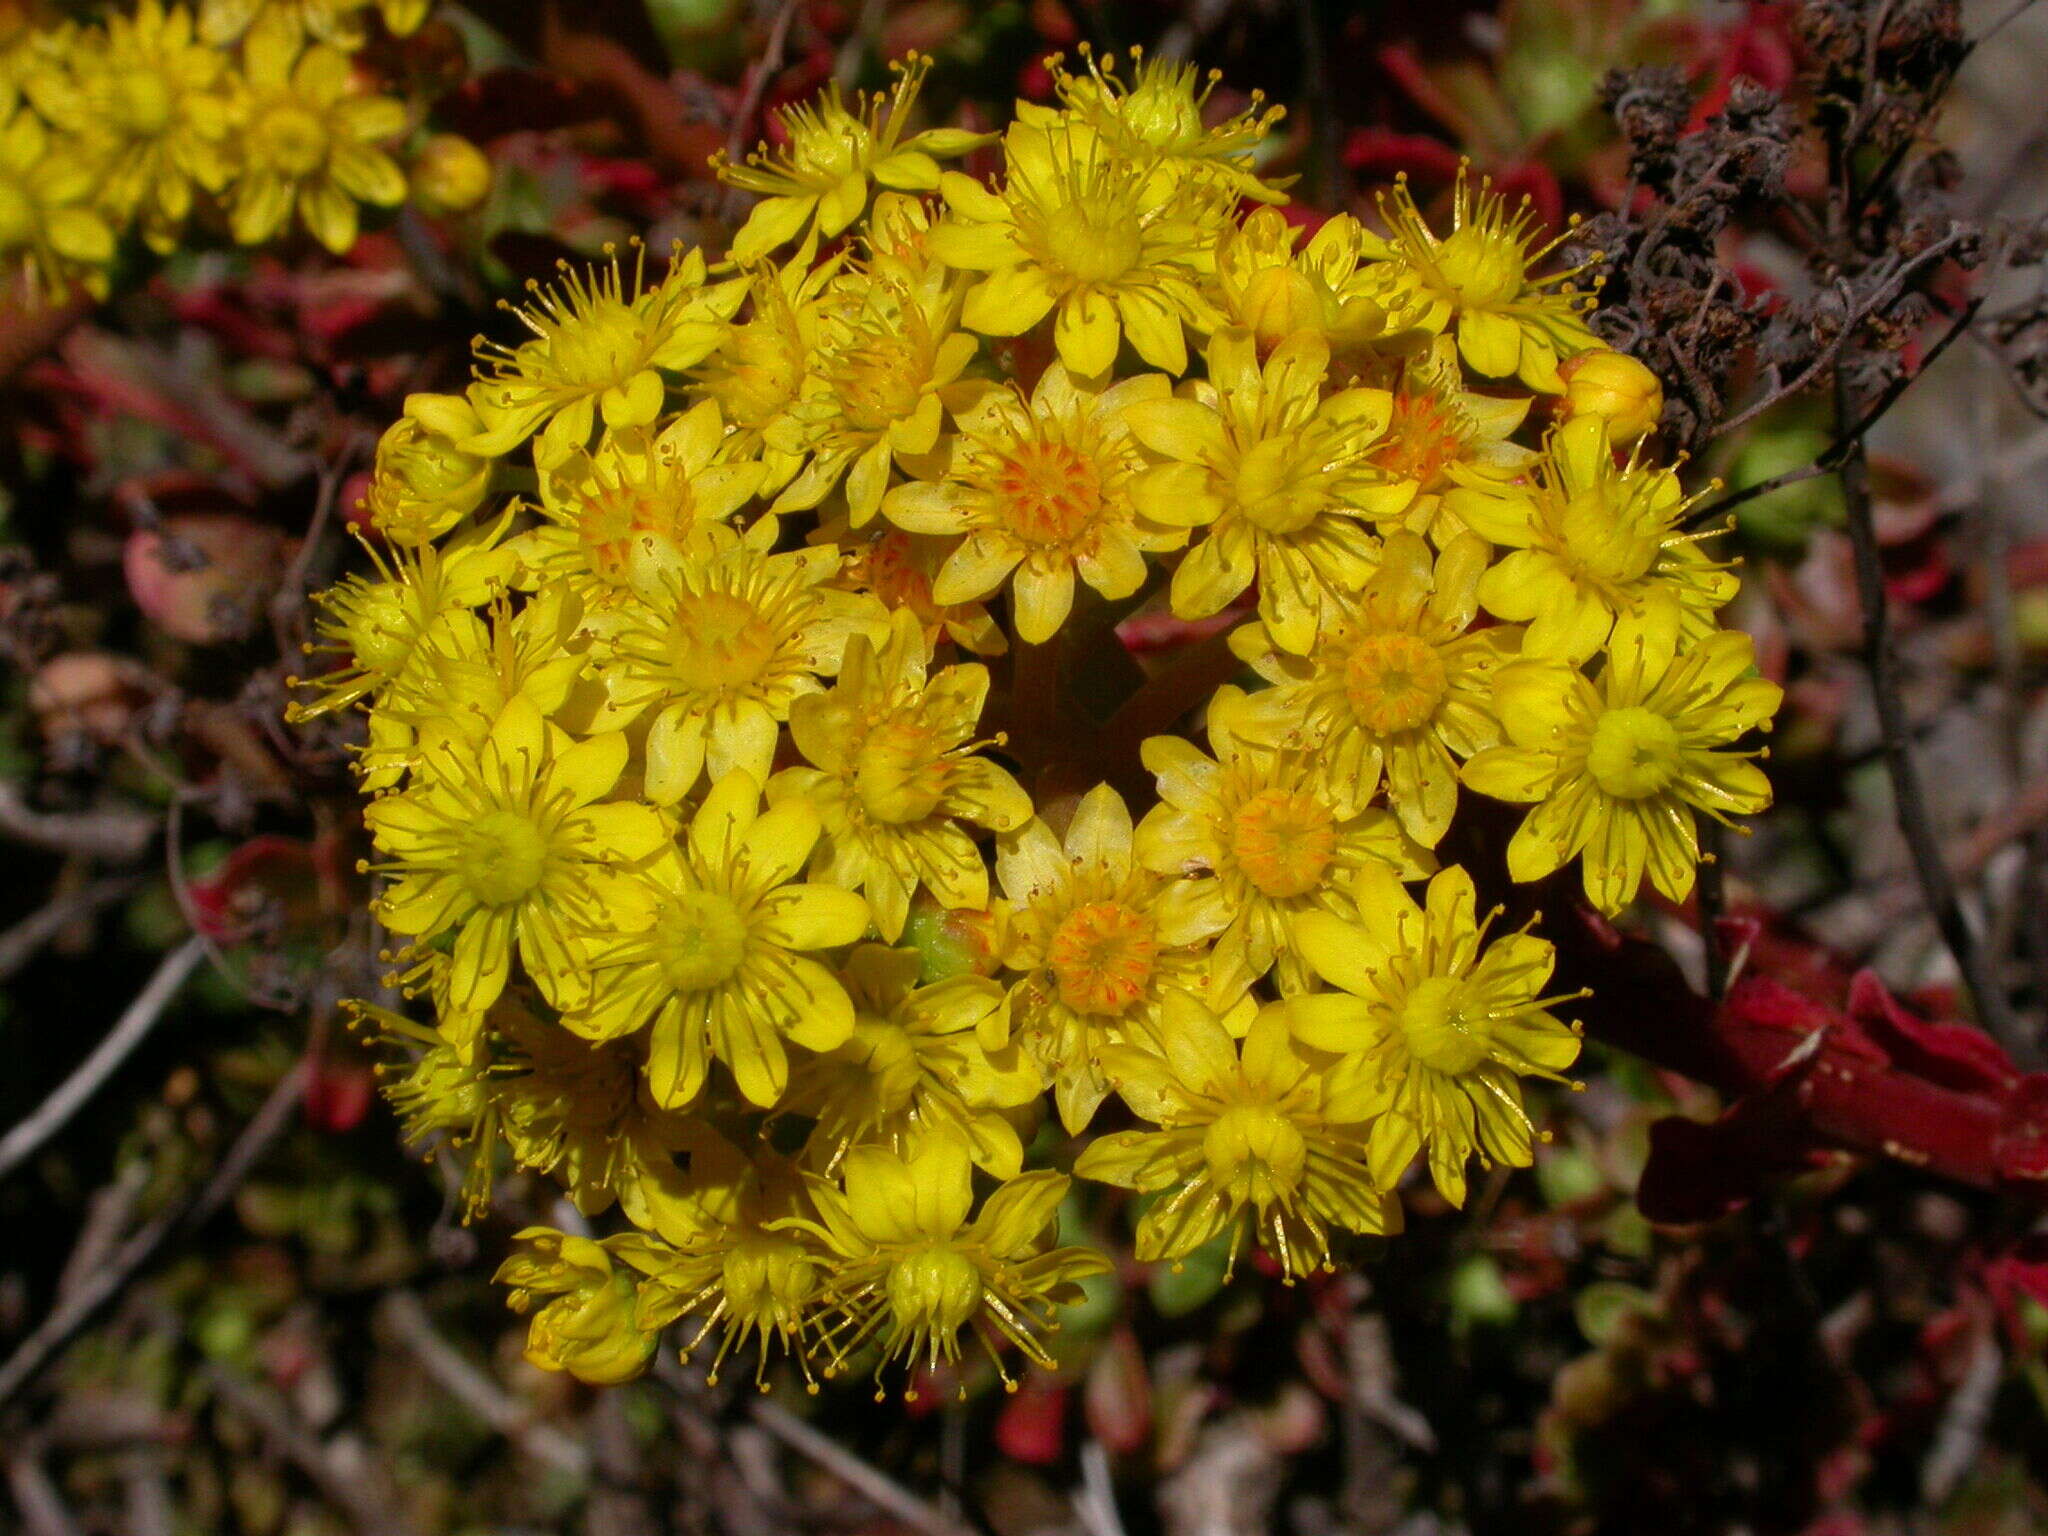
(423, 484)
(1280, 300)
(451, 175)
(1615, 386)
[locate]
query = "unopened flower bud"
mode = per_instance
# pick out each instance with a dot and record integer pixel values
(424, 485)
(1615, 386)
(451, 175)
(1280, 300)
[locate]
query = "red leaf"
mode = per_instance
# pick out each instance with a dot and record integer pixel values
(1032, 1428)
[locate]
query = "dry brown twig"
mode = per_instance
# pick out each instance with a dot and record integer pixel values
(129, 1031)
(117, 837)
(74, 1311)
(405, 1315)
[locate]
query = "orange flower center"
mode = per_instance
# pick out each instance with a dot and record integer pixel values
(1421, 441)
(1394, 682)
(1049, 492)
(721, 641)
(1102, 958)
(1283, 842)
(610, 515)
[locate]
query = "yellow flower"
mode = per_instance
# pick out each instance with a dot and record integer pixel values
(508, 848)
(744, 1273)
(1257, 837)
(152, 102)
(724, 970)
(462, 674)
(576, 1114)
(309, 140)
(376, 626)
(1590, 542)
(1264, 285)
(1442, 431)
(1397, 682)
(722, 640)
(424, 483)
(331, 21)
(1618, 767)
(1042, 489)
(911, 1272)
(1118, 247)
(1435, 1026)
(817, 183)
(1240, 1131)
(49, 231)
(1478, 278)
(894, 775)
(898, 569)
(1161, 113)
(441, 1090)
(1278, 476)
(585, 1321)
(602, 503)
(886, 353)
(760, 366)
(1084, 925)
(600, 346)
(920, 1059)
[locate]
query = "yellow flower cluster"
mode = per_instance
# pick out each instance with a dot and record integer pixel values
(694, 807)
(245, 113)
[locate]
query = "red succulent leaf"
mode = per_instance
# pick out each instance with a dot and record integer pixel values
(1116, 1400)
(338, 1097)
(1702, 1171)
(1955, 1055)
(1032, 1428)
(1378, 153)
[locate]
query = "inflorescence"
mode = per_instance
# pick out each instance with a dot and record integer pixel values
(247, 115)
(694, 807)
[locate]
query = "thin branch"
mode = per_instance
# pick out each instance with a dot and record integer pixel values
(1326, 150)
(129, 1031)
(1908, 797)
(76, 1310)
(27, 938)
(1837, 453)
(356, 1496)
(875, 1485)
(1095, 1500)
(1713, 903)
(36, 1498)
(406, 1316)
(116, 836)
(759, 73)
